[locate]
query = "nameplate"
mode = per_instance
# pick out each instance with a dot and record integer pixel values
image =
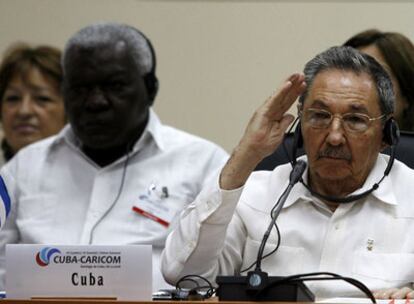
(91, 271)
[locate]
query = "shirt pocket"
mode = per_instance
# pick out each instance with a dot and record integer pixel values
(398, 267)
(285, 261)
(36, 214)
(155, 220)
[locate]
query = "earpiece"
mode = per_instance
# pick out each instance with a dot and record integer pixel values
(151, 84)
(391, 132)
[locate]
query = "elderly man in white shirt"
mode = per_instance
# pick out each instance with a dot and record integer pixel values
(115, 175)
(352, 215)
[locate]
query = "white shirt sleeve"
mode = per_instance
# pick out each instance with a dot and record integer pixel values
(198, 244)
(9, 232)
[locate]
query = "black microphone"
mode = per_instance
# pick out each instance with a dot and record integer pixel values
(297, 172)
(257, 278)
(295, 176)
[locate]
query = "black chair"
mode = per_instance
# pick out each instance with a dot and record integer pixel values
(404, 152)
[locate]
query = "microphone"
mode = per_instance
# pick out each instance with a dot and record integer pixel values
(257, 279)
(297, 172)
(257, 285)
(295, 176)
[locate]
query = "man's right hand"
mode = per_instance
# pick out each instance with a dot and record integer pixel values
(263, 134)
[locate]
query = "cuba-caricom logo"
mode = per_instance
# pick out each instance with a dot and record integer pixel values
(44, 255)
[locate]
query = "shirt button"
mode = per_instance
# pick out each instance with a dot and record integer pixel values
(336, 227)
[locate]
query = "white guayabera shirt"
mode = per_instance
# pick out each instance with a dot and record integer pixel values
(59, 196)
(371, 240)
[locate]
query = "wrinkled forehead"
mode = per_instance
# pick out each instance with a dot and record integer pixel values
(345, 88)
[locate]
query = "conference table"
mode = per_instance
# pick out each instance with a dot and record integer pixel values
(107, 301)
(214, 300)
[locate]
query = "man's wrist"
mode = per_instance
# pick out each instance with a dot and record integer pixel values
(238, 168)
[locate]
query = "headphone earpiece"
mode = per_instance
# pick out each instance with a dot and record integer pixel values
(391, 132)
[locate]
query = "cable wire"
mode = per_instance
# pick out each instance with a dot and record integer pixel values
(313, 276)
(210, 290)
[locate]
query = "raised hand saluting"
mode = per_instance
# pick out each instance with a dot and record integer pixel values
(263, 134)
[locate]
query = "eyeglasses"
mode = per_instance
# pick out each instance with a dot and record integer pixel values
(352, 122)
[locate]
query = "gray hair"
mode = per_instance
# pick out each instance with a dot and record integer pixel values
(349, 59)
(93, 36)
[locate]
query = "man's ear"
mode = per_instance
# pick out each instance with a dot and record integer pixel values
(152, 86)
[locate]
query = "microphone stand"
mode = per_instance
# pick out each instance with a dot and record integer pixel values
(257, 279)
(238, 288)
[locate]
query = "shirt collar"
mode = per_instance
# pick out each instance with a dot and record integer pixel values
(153, 131)
(383, 193)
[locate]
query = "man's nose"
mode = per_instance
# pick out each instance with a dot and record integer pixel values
(96, 99)
(336, 136)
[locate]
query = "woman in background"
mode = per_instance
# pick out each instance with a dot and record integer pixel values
(31, 102)
(395, 53)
